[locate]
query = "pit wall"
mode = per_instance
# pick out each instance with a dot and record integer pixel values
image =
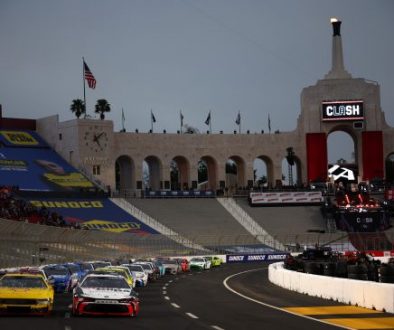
(374, 295)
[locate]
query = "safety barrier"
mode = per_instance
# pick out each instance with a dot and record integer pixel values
(366, 294)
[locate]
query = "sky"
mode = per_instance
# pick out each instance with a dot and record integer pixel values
(194, 56)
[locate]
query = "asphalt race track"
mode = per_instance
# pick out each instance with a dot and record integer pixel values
(236, 296)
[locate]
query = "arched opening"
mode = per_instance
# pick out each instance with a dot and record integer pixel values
(389, 164)
(262, 172)
(207, 173)
(235, 173)
(342, 156)
(180, 170)
(291, 170)
(151, 173)
(124, 174)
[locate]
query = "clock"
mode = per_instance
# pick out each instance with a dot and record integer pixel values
(96, 139)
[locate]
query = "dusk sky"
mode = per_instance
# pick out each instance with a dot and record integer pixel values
(252, 56)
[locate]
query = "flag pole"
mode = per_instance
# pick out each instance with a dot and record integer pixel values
(210, 122)
(181, 118)
(84, 88)
(151, 120)
(239, 126)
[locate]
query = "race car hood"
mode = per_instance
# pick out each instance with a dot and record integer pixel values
(106, 293)
(24, 293)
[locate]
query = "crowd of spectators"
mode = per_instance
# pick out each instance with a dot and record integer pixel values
(17, 209)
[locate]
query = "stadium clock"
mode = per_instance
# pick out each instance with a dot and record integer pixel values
(96, 139)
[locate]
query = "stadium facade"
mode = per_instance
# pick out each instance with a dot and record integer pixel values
(338, 102)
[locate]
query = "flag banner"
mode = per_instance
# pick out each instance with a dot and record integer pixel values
(208, 120)
(89, 76)
(181, 115)
(269, 123)
(153, 118)
(238, 120)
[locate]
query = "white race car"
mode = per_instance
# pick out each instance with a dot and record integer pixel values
(105, 294)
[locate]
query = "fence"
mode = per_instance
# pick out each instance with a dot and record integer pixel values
(29, 244)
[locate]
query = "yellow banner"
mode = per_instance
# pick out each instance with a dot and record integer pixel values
(75, 179)
(114, 227)
(19, 138)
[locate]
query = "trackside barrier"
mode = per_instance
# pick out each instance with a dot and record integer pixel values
(373, 295)
(236, 258)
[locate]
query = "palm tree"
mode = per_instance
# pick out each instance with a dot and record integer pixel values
(101, 107)
(78, 107)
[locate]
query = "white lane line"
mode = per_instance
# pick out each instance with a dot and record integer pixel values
(170, 281)
(268, 305)
(167, 298)
(164, 287)
(216, 327)
(164, 292)
(67, 327)
(192, 315)
(175, 305)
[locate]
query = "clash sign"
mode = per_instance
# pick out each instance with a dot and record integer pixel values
(342, 110)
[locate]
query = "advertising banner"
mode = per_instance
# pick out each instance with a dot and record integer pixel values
(39, 169)
(179, 193)
(28, 139)
(292, 197)
(255, 257)
(94, 214)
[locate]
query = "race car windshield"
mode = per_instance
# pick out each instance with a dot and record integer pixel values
(56, 271)
(105, 282)
(73, 268)
(22, 282)
(136, 268)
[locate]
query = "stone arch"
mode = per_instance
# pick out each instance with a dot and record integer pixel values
(152, 173)
(124, 173)
(389, 168)
(212, 172)
(180, 173)
(344, 136)
(269, 169)
(235, 172)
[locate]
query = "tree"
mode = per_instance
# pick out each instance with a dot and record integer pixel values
(101, 107)
(78, 107)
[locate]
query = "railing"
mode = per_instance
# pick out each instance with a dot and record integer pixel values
(149, 221)
(248, 223)
(30, 244)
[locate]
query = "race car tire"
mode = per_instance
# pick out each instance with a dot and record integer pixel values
(357, 269)
(329, 269)
(386, 270)
(387, 279)
(311, 267)
(362, 277)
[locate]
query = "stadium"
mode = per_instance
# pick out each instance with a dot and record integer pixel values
(78, 190)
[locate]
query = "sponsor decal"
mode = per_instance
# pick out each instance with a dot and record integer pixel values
(285, 194)
(68, 180)
(68, 204)
(115, 227)
(19, 138)
(13, 165)
(235, 258)
(301, 199)
(287, 199)
(337, 172)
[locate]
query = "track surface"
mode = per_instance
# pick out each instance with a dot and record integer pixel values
(200, 300)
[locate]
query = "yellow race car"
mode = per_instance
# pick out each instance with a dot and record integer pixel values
(25, 294)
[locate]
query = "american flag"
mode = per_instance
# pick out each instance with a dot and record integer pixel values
(89, 76)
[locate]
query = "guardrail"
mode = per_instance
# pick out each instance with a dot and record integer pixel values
(366, 294)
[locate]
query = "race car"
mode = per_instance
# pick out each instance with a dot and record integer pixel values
(215, 261)
(105, 294)
(208, 263)
(197, 263)
(25, 294)
(121, 270)
(171, 266)
(60, 276)
(139, 276)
